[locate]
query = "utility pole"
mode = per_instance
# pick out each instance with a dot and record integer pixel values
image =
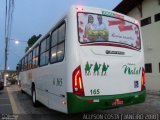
(6, 59)
(6, 54)
(8, 25)
(6, 45)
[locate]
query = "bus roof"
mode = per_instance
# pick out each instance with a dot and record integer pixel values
(102, 11)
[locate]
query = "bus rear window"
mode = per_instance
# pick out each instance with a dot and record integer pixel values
(98, 28)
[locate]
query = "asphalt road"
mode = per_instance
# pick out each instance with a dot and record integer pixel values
(149, 110)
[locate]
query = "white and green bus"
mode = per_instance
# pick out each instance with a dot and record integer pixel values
(91, 59)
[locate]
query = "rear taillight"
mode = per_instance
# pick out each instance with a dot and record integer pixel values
(143, 80)
(77, 82)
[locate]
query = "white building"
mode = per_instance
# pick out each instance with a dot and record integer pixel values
(148, 12)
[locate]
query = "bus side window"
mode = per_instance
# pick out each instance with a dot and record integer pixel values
(61, 33)
(57, 44)
(29, 55)
(53, 56)
(35, 57)
(44, 51)
(60, 52)
(30, 60)
(61, 39)
(26, 63)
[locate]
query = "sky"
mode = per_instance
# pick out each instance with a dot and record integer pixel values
(34, 17)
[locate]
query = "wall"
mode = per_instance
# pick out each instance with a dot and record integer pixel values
(151, 41)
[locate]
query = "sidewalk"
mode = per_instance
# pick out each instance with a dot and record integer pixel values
(151, 92)
(5, 105)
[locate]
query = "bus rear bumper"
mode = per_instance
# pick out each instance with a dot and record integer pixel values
(87, 103)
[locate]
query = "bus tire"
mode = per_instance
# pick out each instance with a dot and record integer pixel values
(34, 100)
(22, 91)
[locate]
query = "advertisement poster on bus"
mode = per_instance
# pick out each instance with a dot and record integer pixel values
(98, 28)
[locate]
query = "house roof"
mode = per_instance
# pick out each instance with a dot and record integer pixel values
(126, 6)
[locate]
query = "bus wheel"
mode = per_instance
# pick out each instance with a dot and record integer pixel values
(22, 91)
(34, 100)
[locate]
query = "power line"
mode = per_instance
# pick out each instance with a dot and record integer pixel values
(6, 12)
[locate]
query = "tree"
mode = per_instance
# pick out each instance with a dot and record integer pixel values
(31, 41)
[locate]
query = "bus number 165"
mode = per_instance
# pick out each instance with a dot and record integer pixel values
(95, 91)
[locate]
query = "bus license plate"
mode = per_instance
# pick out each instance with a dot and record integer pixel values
(117, 102)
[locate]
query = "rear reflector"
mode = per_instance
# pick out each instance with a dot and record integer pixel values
(93, 100)
(90, 101)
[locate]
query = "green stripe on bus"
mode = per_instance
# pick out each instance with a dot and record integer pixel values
(81, 104)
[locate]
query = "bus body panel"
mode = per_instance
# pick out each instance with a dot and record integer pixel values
(50, 85)
(104, 74)
(25, 82)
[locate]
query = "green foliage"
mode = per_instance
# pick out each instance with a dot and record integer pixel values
(31, 41)
(27, 48)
